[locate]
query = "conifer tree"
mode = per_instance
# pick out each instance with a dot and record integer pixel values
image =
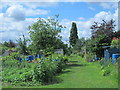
(73, 34)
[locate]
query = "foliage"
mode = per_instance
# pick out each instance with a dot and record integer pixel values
(106, 71)
(102, 34)
(115, 43)
(107, 68)
(106, 28)
(43, 72)
(73, 34)
(48, 51)
(110, 70)
(12, 44)
(22, 45)
(6, 44)
(79, 44)
(89, 57)
(15, 55)
(45, 34)
(96, 45)
(3, 48)
(117, 34)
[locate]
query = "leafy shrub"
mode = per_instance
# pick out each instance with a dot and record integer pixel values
(87, 57)
(102, 61)
(44, 72)
(110, 69)
(115, 43)
(14, 55)
(106, 71)
(60, 64)
(18, 76)
(2, 49)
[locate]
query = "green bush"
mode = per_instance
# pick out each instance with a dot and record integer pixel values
(14, 55)
(87, 57)
(47, 69)
(60, 64)
(116, 43)
(109, 69)
(106, 71)
(44, 72)
(2, 49)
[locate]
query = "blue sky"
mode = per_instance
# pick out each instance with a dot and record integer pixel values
(16, 17)
(73, 10)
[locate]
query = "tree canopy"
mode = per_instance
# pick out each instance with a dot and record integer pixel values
(102, 34)
(44, 34)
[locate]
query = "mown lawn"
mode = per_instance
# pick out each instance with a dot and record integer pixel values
(80, 74)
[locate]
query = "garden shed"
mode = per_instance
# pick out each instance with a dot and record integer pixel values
(108, 51)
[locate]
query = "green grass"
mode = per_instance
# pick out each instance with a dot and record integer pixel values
(80, 74)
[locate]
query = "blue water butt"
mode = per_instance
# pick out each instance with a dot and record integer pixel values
(114, 57)
(39, 55)
(30, 58)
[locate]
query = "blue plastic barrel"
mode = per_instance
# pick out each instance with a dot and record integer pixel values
(19, 58)
(114, 57)
(30, 58)
(39, 55)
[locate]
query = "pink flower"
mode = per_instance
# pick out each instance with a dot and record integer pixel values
(114, 38)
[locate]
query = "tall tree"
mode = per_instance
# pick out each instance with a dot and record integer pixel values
(102, 34)
(45, 34)
(73, 35)
(106, 28)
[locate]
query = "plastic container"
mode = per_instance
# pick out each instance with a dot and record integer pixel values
(39, 55)
(30, 58)
(114, 57)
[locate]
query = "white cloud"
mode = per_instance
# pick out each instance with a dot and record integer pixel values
(109, 5)
(91, 8)
(31, 5)
(103, 15)
(16, 12)
(81, 18)
(39, 4)
(33, 12)
(10, 29)
(14, 22)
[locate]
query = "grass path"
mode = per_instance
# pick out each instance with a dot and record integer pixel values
(79, 75)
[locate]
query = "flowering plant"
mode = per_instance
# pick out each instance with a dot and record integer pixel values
(115, 38)
(115, 42)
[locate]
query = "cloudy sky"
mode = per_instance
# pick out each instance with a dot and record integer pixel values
(15, 17)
